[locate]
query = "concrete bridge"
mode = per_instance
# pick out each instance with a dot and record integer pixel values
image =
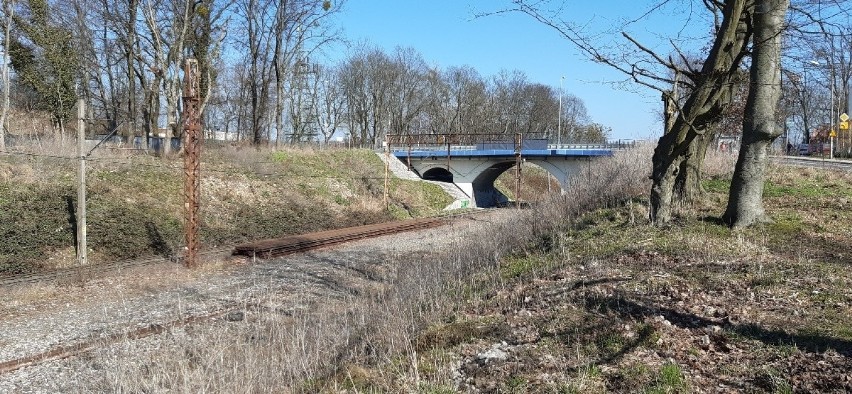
(474, 166)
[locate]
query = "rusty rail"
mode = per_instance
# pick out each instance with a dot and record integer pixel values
(91, 271)
(83, 346)
(264, 249)
(298, 243)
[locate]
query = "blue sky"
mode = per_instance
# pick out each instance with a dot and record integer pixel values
(447, 34)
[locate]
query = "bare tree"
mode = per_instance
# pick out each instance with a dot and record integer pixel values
(367, 88)
(168, 23)
(99, 67)
(300, 29)
(760, 127)
(120, 25)
(574, 116)
(330, 103)
(469, 99)
(508, 107)
(131, 52)
(680, 151)
(256, 36)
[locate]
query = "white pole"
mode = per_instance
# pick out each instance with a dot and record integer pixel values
(81, 185)
(833, 117)
(559, 118)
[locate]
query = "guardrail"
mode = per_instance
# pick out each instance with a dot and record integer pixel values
(471, 147)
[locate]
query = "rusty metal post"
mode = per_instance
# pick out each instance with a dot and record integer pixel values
(409, 154)
(191, 158)
(518, 147)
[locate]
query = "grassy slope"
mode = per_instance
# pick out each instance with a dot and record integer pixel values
(135, 203)
(616, 305)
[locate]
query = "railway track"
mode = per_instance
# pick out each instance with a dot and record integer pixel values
(299, 243)
(259, 249)
(90, 271)
(80, 347)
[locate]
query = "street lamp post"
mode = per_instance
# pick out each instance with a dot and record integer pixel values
(834, 117)
(559, 118)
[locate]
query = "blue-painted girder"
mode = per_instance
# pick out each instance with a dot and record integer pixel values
(490, 153)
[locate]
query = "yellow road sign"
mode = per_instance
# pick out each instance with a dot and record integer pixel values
(844, 117)
(844, 125)
(833, 133)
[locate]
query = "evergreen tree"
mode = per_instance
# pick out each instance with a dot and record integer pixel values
(44, 59)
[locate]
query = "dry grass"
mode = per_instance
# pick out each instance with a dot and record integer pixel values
(368, 342)
(582, 277)
(719, 164)
(247, 193)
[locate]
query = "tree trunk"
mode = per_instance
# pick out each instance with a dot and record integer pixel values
(278, 63)
(8, 14)
(760, 126)
(687, 187)
(710, 95)
(130, 48)
(151, 108)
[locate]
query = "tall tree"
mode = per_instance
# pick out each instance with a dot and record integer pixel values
(45, 60)
(256, 28)
(367, 87)
(330, 102)
(408, 97)
(680, 152)
(8, 15)
(760, 126)
(300, 29)
(168, 23)
(574, 116)
(131, 52)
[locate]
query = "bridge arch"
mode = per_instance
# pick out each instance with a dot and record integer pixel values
(485, 194)
(440, 174)
(476, 177)
(473, 169)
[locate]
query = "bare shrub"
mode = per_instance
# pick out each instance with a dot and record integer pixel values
(719, 164)
(351, 341)
(607, 182)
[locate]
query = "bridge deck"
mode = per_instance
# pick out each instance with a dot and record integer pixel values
(491, 153)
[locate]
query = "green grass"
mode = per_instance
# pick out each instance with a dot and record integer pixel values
(800, 189)
(516, 267)
(443, 336)
(429, 388)
(516, 384)
(716, 185)
(600, 325)
(669, 380)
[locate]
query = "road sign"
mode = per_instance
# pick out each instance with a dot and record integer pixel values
(844, 117)
(844, 125)
(833, 133)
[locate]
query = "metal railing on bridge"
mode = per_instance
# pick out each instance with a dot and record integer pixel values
(461, 142)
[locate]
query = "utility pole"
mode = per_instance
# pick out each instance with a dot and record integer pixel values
(191, 159)
(81, 184)
(388, 141)
(559, 119)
